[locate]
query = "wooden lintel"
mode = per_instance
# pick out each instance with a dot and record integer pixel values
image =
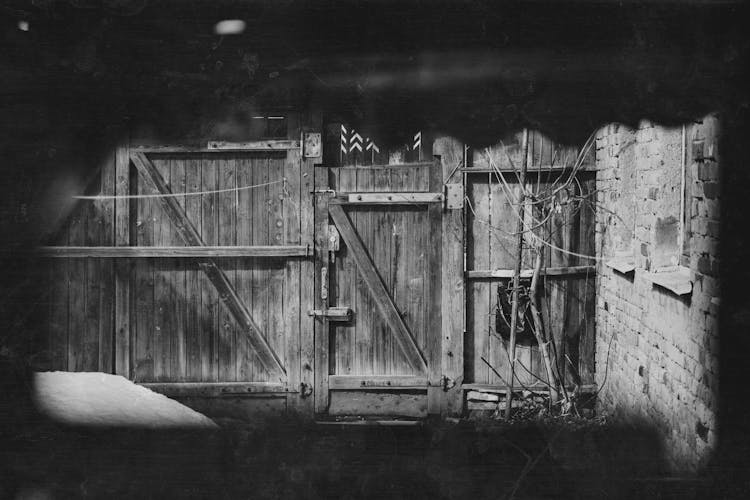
(214, 389)
(176, 252)
(216, 276)
(351, 382)
(267, 145)
(420, 164)
(527, 273)
(385, 198)
(380, 294)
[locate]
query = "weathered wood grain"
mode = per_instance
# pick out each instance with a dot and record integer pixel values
(209, 319)
(216, 276)
(107, 268)
(164, 320)
(453, 301)
(380, 294)
(227, 230)
(194, 306)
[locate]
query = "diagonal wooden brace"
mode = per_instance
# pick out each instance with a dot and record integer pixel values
(378, 290)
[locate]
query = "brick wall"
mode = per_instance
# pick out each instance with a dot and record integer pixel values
(662, 349)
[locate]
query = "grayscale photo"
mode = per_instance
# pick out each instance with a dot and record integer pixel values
(374, 249)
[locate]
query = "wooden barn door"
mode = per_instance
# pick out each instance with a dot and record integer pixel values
(568, 276)
(226, 243)
(379, 299)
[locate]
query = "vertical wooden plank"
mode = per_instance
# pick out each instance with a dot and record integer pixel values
(434, 295)
(480, 298)
(164, 324)
(144, 355)
(366, 315)
(177, 338)
(194, 307)
(346, 291)
(123, 268)
(275, 331)
(227, 237)
(290, 207)
(58, 314)
(401, 257)
(92, 237)
(415, 252)
(260, 275)
(209, 319)
(107, 266)
(246, 360)
(308, 212)
(452, 299)
(382, 229)
(77, 290)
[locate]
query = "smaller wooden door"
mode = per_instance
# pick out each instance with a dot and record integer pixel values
(381, 259)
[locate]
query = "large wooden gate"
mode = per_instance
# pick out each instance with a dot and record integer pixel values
(212, 266)
(380, 297)
(232, 271)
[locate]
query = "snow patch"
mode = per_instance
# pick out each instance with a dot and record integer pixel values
(100, 399)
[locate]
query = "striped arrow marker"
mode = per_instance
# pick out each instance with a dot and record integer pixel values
(372, 145)
(343, 139)
(355, 142)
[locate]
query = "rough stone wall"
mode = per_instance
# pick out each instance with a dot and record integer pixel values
(657, 352)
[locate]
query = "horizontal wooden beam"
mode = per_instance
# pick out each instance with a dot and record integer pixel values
(216, 389)
(350, 382)
(387, 198)
(531, 170)
(174, 252)
(182, 150)
(503, 389)
(271, 144)
(527, 273)
(420, 164)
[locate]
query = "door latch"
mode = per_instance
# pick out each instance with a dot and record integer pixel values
(324, 283)
(344, 314)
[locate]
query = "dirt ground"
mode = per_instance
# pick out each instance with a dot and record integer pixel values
(290, 458)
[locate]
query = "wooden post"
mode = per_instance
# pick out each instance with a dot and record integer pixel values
(307, 277)
(320, 391)
(517, 274)
(453, 300)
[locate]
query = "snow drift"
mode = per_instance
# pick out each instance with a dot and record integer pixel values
(100, 399)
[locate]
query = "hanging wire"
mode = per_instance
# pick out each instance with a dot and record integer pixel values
(178, 195)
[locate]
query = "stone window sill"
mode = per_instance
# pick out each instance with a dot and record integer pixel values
(675, 279)
(622, 264)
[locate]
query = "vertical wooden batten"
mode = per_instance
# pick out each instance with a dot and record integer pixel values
(322, 334)
(434, 296)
